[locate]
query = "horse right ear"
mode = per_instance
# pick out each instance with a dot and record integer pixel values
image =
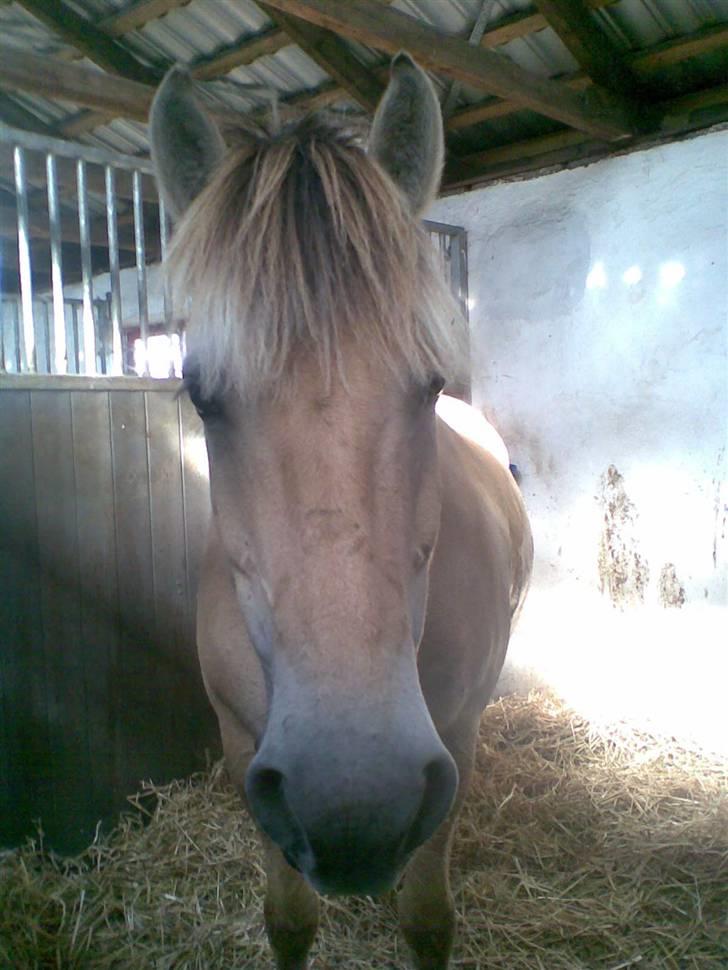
(407, 135)
(186, 143)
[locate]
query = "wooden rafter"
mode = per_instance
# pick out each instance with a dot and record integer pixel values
(137, 15)
(15, 114)
(96, 45)
(681, 115)
(680, 49)
(592, 49)
(513, 26)
(244, 52)
(642, 62)
(391, 31)
(332, 55)
(52, 78)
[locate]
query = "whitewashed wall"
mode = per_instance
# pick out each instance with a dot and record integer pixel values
(600, 350)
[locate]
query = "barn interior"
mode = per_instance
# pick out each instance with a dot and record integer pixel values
(583, 225)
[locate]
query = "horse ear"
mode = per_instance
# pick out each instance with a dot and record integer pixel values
(407, 137)
(186, 143)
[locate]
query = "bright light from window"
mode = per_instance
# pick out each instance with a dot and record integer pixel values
(671, 274)
(632, 275)
(163, 355)
(471, 303)
(597, 278)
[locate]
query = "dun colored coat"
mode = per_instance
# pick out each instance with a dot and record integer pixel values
(364, 562)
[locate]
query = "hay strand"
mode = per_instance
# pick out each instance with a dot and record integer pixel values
(577, 850)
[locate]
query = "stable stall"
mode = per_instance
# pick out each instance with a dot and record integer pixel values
(582, 228)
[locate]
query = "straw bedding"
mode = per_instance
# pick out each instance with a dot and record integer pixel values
(577, 849)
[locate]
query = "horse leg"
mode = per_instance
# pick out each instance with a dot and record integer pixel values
(291, 910)
(425, 902)
(291, 905)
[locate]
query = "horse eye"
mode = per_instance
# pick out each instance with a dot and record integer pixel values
(206, 407)
(437, 382)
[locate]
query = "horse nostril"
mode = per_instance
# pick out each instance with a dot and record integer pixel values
(264, 786)
(439, 774)
(441, 782)
(268, 802)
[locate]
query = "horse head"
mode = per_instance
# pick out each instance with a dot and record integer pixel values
(319, 338)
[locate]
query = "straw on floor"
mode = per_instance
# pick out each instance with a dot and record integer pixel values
(578, 850)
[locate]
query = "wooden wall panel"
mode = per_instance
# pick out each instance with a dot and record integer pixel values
(196, 493)
(25, 762)
(97, 572)
(174, 629)
(55, 499)
(100, 682)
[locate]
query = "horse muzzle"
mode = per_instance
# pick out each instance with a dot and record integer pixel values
(349, 824)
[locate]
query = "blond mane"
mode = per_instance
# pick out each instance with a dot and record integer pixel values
(301, 242)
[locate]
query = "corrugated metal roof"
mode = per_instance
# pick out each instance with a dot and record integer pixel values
(200, 29)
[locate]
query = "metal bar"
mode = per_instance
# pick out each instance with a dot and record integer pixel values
(58, 363)
(438, 227)
(48, 340)
(26, 281)
(67, 149)
(88, 344)
(16, 338)
(478, 29)
(141, 267)
(3, 340)
(164, 240)
(74, 333)
(114, 273)
(166, 296)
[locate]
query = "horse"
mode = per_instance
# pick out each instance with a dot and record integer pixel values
(365, 562)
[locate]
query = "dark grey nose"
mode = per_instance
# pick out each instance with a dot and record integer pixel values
(351, 831)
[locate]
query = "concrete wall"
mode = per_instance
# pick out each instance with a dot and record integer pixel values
(600, 351)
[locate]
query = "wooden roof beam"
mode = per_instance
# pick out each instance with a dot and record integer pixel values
(266, 42)
(136, 15)
(681, 116)
(592, 49)
(391, 31)
(333, 56)
(643, 62)
(16, 116)
(93, 43)
(242, 52)
(83, 86)
(516, 25)
(246, 51)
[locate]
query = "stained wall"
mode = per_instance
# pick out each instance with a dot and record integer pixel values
(599, 312)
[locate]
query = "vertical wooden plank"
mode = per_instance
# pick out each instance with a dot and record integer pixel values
(99, 605)
(55, 489)
(25, 756)
(196, 495)
(140, 739)
(173, 645)
(196, 516)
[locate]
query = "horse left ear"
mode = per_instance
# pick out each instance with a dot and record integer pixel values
(407, 136)
(186, 143)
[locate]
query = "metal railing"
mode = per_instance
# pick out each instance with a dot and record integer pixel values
(69, 207)
(40, 322)
(451, 243)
